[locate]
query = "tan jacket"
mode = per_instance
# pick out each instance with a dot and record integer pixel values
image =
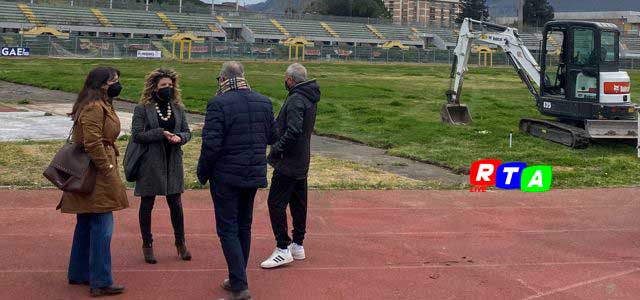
(97, 130)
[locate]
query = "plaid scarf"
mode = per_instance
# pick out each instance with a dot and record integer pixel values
(236, 83)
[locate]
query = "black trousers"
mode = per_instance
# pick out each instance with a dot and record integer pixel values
(177, 218)
(285, 191)
(234, 214)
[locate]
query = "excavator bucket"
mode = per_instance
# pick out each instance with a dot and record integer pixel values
(612, 129)
(455, 114)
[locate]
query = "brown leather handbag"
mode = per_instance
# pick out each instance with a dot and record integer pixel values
(71, 169)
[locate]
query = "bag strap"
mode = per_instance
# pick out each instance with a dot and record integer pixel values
(71, 131)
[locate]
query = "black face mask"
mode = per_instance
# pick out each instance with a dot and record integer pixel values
(165, 94)
(114, 90)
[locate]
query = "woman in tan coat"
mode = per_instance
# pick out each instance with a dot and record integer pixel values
(96, 126)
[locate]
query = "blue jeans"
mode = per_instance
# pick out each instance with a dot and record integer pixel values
(91, 250)
(234, 215)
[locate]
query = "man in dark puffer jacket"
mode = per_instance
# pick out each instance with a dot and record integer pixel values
(290, 157)
(238, 127)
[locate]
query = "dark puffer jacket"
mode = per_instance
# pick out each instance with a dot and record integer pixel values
(238, 127)
(291, 154)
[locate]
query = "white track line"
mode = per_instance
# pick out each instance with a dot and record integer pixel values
(582, 283)
(369, 234)
(416, 267)
(364, 234)
(385, 208)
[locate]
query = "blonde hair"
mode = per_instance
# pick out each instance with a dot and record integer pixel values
(151, 82)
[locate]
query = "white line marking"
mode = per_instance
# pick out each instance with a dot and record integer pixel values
(529, 287)
(357, 234)
(384, 208)
(416, 267)
(582, 283)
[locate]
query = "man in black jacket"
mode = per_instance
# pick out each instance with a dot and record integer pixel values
(239, 125)
(290, 157)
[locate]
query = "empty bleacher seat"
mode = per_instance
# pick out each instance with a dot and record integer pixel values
(10, 13)
(133, 19)
(65, 16)
(632, 43)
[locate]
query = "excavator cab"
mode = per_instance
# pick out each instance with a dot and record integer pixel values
(580, 75)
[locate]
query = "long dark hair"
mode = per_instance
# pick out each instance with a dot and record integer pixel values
(92, 89)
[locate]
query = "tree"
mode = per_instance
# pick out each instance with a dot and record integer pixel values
(474, 9)
(349, 8)
(537, 12)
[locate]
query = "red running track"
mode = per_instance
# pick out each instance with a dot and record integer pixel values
(565, 244)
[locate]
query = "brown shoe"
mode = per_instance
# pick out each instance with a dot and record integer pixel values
(183, 252)
(107, 291)
(243, 295)
(148, 255)
(226, 285)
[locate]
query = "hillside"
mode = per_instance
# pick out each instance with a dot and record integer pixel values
(508, 7)
(277, 6)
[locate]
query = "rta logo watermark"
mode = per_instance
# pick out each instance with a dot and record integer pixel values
(509, 176)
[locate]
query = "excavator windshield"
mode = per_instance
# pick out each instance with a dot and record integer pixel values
(584, 47)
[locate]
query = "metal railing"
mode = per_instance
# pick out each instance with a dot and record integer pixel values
(127, 48)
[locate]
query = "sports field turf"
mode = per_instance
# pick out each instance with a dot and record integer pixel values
(390, 106)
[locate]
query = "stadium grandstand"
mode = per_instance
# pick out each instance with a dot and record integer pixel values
(229, 25)
(224, 26)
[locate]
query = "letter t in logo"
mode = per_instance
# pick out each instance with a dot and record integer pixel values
(509, 174)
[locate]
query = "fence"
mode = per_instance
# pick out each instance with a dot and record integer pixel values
(92, 47)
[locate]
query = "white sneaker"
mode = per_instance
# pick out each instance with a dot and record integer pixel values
(297, 251)
(278, 258)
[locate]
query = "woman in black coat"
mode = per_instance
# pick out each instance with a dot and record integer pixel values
(160, 124)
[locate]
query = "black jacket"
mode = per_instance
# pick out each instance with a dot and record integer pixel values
(237, 129)
(291, 154)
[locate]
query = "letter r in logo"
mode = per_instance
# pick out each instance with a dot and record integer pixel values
(483, 172)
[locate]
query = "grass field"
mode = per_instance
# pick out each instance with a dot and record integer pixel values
(395, 107)
(22, 163)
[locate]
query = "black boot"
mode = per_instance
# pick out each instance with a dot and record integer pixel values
(148, 254)
(183, 252)
(107, 291)
(242, 295)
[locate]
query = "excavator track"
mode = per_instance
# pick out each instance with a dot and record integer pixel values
(557, 132)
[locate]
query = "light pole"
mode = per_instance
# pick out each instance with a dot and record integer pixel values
(520, 13)
(213, 7)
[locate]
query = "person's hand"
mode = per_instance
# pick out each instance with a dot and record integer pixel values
(168, 135)
(175, 139)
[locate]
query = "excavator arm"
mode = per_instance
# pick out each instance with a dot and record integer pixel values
(508, 40)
